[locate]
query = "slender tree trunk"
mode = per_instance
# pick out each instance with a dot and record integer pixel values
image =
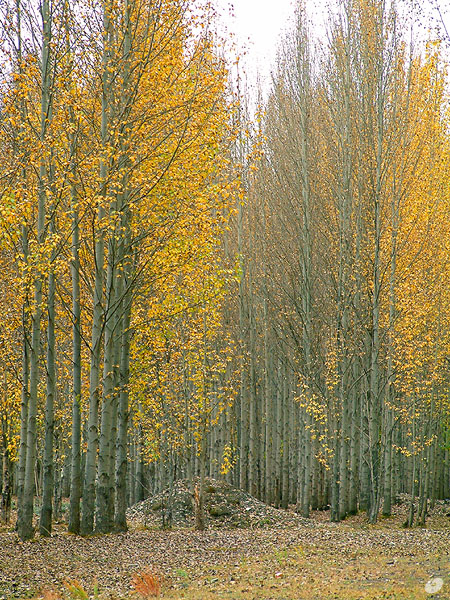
(334, 509)
(104, 507)
(253, 432)
(200, 522)
(25, 317)
(122, 433)
(45, 524)
(278, 435)
(243, 421)
(74, 522)
(6, 488)
(23, 413)
(268, 484)
(410, 518)
(25, 524)
(88, 504)
(354, 452)
(75, 483)
(285, 441)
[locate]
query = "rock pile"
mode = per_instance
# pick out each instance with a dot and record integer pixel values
(225, 506)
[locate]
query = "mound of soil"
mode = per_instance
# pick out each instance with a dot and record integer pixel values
(225, 506)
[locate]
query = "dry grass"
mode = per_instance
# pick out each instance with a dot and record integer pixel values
(310, 573)
(147, 584)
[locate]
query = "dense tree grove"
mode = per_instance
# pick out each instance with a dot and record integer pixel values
(345, 286)
(185, 293)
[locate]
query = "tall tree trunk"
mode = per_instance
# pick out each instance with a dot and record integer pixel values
(253, 409)
(88, 503)
(25, 523)
(200, 522)
(74, 522)
(104, 508)
(75, 478)
(45, 524)
(6, 490)
(285, 440)
(25, 317)
(23, 411)
(243, 420)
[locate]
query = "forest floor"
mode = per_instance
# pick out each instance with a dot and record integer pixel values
(295, 559)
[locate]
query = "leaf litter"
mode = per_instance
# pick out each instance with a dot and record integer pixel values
(241, 555)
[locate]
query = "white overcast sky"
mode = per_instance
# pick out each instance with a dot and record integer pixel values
(257, 25)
